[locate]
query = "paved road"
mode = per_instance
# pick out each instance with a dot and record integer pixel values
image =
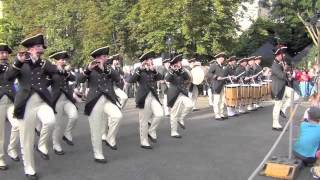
(209, 150)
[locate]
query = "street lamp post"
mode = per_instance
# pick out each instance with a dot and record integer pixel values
(169, 43)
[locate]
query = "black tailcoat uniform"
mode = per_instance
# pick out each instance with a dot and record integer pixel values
(6, 87)
(32, 78)
(216, 70)
(279, 80)
(147, 83)
(59, 84)
(177, 85)
(100, 83)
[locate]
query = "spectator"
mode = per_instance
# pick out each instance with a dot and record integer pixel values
(314, 102)
(307, 145)
(304, 84)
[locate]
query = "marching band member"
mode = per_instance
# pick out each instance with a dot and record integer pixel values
(178, 99)
(210, 98)
(250, 79)
(63, 102)
(279, 85)
(241, 72)
(33, 100)
(7, 94)
(257, 69)
(231, 70)
(164, 86)
(101, 101)
(193, 90)
(218, 74)
(122, 96)
(290, 91)
(147, 99)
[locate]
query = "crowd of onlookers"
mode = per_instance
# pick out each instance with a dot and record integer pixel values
(306, 80)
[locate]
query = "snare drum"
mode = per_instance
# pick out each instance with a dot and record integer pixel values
(245, 94)
(269, 87)
(255, 91)
(264, 90)
(232, 94)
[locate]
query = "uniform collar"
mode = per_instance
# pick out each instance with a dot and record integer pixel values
(4, 62)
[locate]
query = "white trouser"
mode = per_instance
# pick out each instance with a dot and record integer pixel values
(98, 119)
(64, 107)
(194, 95)
(288, 100)
(123, 98)
(5, 103)
(210, 97)
(218, 104)
(181, 108)
(282, 105)
(36, 109)
(165, 104)
(14, 137)
(152, 110)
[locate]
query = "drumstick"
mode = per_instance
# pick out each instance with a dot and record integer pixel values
(240, 74)
(256, 74)
(230, 79)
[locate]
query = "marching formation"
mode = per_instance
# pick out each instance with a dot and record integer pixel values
(44, 98)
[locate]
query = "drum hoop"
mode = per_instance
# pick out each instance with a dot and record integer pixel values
(232, 85)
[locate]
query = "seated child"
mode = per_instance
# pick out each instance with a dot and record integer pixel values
(308, 142)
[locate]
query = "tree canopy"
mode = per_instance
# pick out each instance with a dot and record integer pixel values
(129, 27)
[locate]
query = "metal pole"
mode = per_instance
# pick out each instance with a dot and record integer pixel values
(256, 171)
(318, 47)
(291, 125)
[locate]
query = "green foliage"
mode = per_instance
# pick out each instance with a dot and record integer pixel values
(260, 32)
(129, 27)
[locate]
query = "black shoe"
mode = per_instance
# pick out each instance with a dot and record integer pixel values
(3, 168)
(115, 147)
(32, 177)
(101, 161)
(58, 152)
(277, 129)
(196, 109)
(152, 139)
(218, 119)
(43, 155)
(181, 125)
(37, 132)
(224, 117)
(67, 141)
(282, 114)
(17, 159)
(177, 136)
(146, 147)
(105, 141)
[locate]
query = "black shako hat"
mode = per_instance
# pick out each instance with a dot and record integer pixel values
(147, 55)
(176, 59)
(34, 40)
(5, 47)
(100, 51)
(59, 55)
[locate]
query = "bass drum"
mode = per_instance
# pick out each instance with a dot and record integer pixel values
(198, 75)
